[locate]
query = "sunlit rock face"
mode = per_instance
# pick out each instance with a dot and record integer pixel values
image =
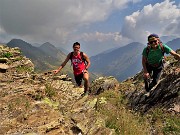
(42, 103)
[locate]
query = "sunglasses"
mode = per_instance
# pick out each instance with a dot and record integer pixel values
(154, 41)
(77, 47)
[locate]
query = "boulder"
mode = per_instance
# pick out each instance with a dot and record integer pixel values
(3, 68)
(104, 83)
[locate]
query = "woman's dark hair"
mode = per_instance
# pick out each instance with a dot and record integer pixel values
(153, 35)
(76, 43)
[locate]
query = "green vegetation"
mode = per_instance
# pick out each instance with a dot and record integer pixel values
(50, 92)
(128, 122)
(7, 55)
(165, 123)
(27, 105)
(124, 121)
(51, 103)
(172, 125)
(38, 96)
(18, 58)
(23, 69)
(19, 102)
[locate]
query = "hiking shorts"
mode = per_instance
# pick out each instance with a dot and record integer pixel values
(78, 79)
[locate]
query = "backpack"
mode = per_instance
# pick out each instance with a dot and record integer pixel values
(82, 57)
(162, 50)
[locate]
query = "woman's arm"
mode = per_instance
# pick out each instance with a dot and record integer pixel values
(176, 55)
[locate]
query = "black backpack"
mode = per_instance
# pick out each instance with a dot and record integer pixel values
(162, 49)
(82, 57)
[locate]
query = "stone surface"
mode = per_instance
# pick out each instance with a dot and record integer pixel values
(164, 95)
(104, 83)
(41, 103)
(34, 104)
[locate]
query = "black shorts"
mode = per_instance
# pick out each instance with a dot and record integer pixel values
(78, 79)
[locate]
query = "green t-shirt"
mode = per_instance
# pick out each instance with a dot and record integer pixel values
(156, 56)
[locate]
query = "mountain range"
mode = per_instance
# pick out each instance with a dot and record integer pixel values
(45, 57)
(122, 62)
(174, 44)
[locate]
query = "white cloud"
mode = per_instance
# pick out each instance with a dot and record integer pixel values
(66, 21)
(53, 20)
(1, 31)
(3, 36)
(121, 3)
(115, 38)
(101, 37)
(136, 1)
(162, 18)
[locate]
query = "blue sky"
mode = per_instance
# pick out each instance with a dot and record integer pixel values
(97, 24)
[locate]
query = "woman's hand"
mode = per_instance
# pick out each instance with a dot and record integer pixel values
(146, 75)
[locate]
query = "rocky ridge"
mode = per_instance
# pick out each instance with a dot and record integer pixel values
(33, 103)
(164, 95)
(36, 104)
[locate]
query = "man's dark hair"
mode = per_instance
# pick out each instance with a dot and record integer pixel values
(76, 43)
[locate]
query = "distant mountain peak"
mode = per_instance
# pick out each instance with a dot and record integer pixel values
(17, 40)
(47, 44)
(18, 43)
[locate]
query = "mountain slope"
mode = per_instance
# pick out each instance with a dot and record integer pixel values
(52, 51)
(42, 57)
(27, 49)
(174, 44)
(46, 57)
(121, 63)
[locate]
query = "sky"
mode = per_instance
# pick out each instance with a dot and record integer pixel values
(98, 25)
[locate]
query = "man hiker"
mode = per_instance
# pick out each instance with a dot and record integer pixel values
(152, 60)
(81, 63)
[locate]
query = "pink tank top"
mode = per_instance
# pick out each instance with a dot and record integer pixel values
(78, 64)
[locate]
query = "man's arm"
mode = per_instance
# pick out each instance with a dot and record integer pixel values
(63, 64)
(87, 60)
(176, 55)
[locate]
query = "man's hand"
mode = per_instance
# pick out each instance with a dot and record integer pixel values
(85, 71)
(55, 71)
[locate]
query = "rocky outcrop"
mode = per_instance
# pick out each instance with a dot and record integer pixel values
(32, 103)
(164, 95)
(104, 83)
(11, 60)
(44, 103)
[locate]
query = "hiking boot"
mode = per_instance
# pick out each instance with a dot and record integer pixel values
(86, 93)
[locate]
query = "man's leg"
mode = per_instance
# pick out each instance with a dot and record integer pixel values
(86, 81)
